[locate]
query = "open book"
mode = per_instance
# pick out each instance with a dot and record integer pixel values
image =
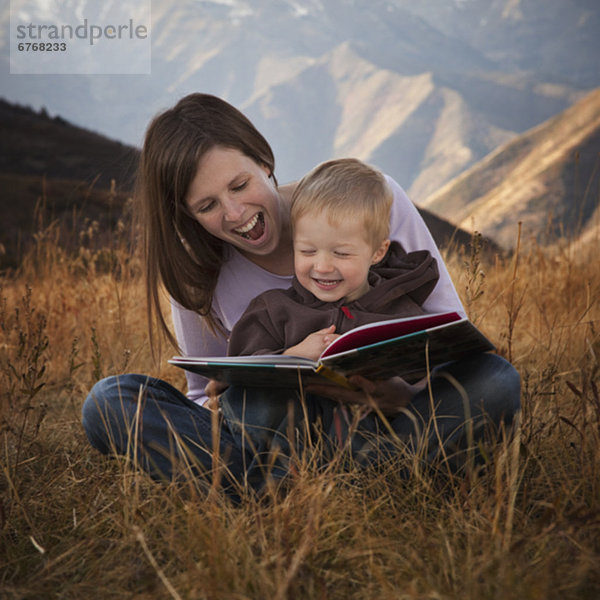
(404, 347)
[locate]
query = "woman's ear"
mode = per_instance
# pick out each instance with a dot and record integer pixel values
(270, 174)
(380, 252)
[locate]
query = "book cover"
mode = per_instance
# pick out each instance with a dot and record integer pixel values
(380, 350)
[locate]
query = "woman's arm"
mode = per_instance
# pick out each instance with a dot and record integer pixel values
(389, 396)
(408, 228)
(195, 339)
(261, 329)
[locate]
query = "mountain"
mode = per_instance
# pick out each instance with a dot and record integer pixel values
(421, 89)
(547, 178)
(590, 237)
(550, 40)
(36, 144)
(414, 127)
(372, 80)
(54, 172)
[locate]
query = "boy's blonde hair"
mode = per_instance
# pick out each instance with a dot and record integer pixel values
(346, 188)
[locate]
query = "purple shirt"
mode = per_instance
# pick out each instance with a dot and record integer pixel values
(241, 280)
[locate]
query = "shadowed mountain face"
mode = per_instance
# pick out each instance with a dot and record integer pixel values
(548, 179)
(54, 172)
(423, 89)
(34, 144)
(553, 39)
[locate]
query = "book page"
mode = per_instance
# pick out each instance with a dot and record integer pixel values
(383, 330)
(254, 359)
(409, 355)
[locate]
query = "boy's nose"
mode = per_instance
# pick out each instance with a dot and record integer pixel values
(323, 265)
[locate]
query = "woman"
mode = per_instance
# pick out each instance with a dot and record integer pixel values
(216, 234)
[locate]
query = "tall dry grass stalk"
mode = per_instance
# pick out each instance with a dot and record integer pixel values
(74, 524)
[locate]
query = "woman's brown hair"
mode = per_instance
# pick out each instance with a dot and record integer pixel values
(178, 252)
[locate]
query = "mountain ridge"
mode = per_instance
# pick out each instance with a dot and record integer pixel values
(280, 63)
(546, 178)
(52, 171)
(59, 175)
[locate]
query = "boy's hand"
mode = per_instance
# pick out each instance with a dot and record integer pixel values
(213, 390)
(313, 345)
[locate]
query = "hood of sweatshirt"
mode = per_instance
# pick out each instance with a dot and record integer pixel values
(399, 278)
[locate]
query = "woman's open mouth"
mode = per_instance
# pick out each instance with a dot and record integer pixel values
(253, 229)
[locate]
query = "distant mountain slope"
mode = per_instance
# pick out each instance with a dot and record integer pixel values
(33, 143)
(65, 173)
(553, 38)
(547, 178)
(422, 89)
(421, 128)
(54, 172)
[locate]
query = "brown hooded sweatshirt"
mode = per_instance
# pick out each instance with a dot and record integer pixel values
(279, 319)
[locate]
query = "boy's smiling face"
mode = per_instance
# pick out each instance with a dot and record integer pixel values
(332, 260)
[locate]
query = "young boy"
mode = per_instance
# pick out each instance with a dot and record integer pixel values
(346, 272)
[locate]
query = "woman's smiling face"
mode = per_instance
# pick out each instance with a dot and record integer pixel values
(236, 200)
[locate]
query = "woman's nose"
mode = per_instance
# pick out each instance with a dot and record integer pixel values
(232, 210)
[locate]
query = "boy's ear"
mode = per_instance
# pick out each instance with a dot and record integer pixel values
(380, 252)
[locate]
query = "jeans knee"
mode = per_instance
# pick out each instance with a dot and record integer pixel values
(509, 380)
(100, 412)
(101, 395)
(503, 400)
(93, 405)
(492, 380)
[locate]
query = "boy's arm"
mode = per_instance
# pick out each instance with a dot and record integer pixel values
(254, 332)
(250, 335)
(259, 332)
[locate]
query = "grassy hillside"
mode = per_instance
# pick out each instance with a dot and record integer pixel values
(32, 203)
(56, 172)
(34, 143)
(76, 525)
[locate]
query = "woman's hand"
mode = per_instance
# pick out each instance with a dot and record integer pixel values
(213, 390)
(385, 395)
(313, 345)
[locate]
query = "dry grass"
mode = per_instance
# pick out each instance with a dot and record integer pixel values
(74, 524)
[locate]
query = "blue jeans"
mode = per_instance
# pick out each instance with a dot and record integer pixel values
(173, 436)
(161, 430)
(472, 401)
